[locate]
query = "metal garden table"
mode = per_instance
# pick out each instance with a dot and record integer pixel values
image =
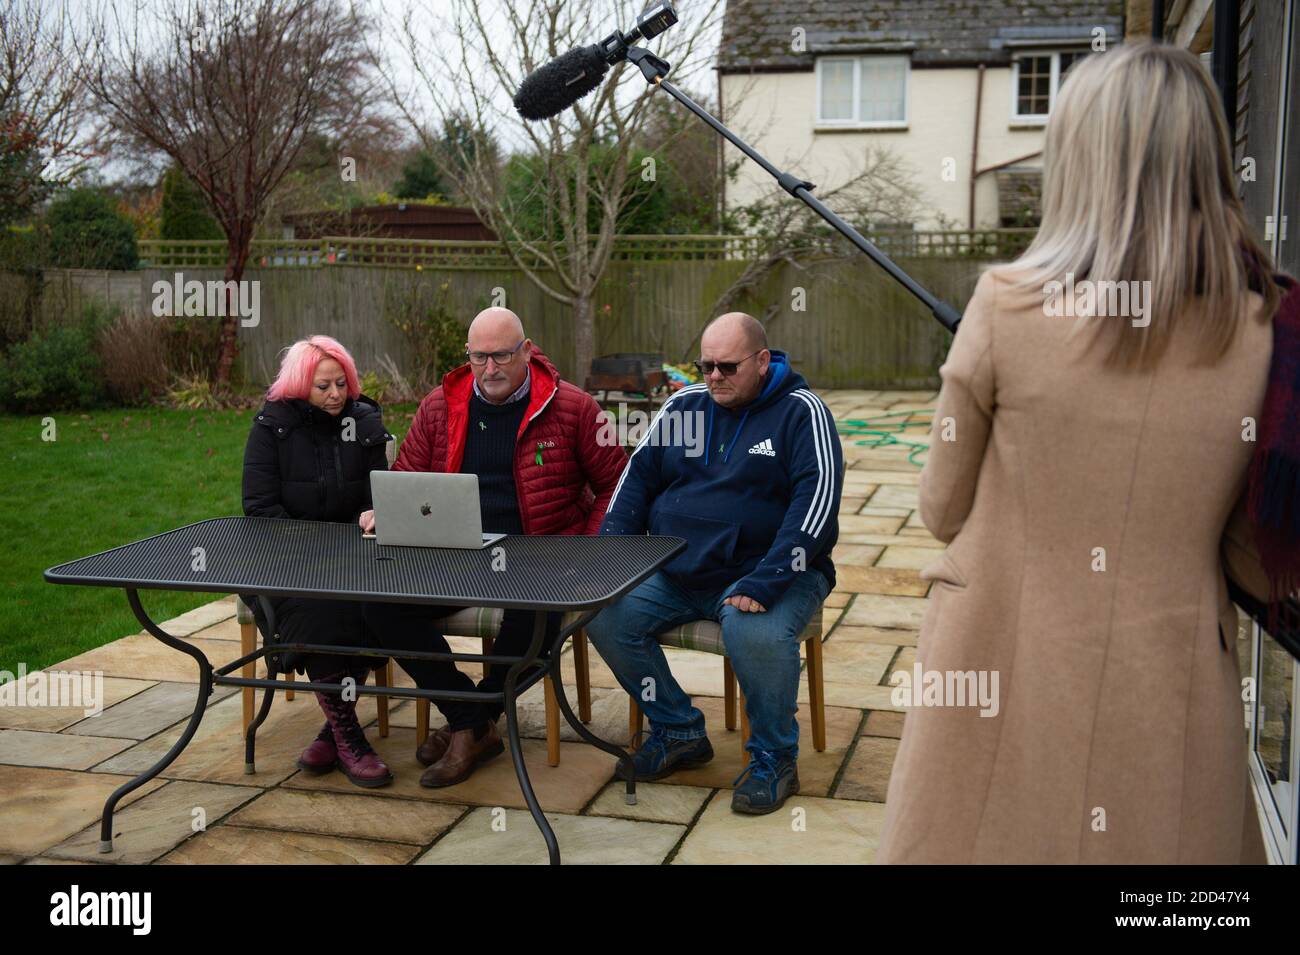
(270, 557)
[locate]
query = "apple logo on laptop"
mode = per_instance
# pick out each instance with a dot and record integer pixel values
(425, 509)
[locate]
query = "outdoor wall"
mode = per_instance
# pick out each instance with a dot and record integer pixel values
(777, 114)
(859, 329)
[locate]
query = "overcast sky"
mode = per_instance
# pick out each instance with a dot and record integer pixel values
(429, 19)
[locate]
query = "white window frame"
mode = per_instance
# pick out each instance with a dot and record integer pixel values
(1053, 85)
(855, 123)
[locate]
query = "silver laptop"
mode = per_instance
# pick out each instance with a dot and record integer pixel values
(418, 509)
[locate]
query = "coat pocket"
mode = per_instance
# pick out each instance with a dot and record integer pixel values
(944, 570)
(1228, 624)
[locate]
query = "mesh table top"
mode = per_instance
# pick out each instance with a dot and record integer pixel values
(276, 557)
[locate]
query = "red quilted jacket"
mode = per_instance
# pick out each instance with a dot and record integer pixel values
(569, 491)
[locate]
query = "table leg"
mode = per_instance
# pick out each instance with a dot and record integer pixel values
(556, 676)
(268, 695)
(200, 703)
(516, 748)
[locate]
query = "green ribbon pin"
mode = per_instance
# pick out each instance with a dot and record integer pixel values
(538, 456)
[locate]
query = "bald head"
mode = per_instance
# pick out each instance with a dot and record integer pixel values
(735, 339)
(739, 327)
(498, 331)
(496, 322)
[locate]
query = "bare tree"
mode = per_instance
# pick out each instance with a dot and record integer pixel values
(880, 192)
(41, 104)
(231, 90)
(583, 179)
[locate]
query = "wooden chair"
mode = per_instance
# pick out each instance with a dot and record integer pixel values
(706, 637)
(485, 623)
(481, 622)
(248, 643)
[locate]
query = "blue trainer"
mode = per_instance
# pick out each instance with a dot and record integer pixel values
(661, 756)
(767, 782)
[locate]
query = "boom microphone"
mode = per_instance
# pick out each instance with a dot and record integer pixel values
(553, 88)
(559, 84)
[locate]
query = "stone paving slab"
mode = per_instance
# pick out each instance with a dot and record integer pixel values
(142, 654)
(231, 845)
(157, 823)
(655, 802)
(42, 807)
(56, 750)
(510, 837)
(893, 637)
(148, 712)
(883, 723)
(54, 719)
(906, 556)
(897, 581)
(866, 774)
(353, 816)
(808, 831)
(886, 611)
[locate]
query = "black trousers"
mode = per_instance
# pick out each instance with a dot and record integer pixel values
(333, 622)
(417, 627)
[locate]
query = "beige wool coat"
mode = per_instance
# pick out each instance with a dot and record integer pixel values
(1084, 509)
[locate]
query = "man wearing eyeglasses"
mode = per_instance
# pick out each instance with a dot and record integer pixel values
(532, 439)
(758, 509)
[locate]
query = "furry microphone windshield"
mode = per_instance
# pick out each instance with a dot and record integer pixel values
(559, 84)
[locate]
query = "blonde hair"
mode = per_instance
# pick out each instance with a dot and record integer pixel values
(1138, 186)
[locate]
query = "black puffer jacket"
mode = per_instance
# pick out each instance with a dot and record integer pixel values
(298, 464)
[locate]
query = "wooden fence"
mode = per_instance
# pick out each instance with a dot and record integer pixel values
(843, 321)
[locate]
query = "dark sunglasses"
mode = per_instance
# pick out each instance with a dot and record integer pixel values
(728, 368)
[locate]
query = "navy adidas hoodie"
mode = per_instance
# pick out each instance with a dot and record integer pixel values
(766, 483)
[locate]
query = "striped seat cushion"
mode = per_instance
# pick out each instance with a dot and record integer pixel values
(484, 622)
(706, 635)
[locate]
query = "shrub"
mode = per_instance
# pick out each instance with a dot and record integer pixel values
(56, 369)
(435, 336)
(87, 232)
(375, 385)
(134, 359)
(185, 212)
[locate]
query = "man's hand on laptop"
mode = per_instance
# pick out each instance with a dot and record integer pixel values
(367, 522)
(747, 604)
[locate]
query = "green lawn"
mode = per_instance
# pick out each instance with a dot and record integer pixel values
(109, 477)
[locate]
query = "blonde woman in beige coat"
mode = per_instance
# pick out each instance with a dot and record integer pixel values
(1082, 470)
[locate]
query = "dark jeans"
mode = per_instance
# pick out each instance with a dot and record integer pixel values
(417, 627)
(332, 622)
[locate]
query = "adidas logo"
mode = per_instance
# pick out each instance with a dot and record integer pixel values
(763, 447)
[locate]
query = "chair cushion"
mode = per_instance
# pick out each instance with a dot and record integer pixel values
(706, 635)
(483, 622)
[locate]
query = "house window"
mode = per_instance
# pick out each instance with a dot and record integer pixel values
(862, 91)
(1035, 80)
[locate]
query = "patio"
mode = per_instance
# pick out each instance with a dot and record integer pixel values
(61, 765)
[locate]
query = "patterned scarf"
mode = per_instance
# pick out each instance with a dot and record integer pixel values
(1273, 504)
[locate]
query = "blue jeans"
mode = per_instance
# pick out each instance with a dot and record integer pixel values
(763, 647)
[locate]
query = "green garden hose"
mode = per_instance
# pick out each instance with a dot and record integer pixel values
(880, 432)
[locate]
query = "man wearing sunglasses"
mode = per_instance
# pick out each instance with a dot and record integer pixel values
(532, 439)
(758, 509)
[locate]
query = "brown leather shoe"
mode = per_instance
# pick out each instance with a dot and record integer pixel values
(434, 745)
(464, 753)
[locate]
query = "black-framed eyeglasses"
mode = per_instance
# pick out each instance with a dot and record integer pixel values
(728, 368)
(500, 357)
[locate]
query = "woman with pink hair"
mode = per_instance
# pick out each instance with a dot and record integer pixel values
(309, 456)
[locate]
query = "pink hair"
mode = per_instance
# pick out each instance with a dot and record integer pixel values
(298, 368)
